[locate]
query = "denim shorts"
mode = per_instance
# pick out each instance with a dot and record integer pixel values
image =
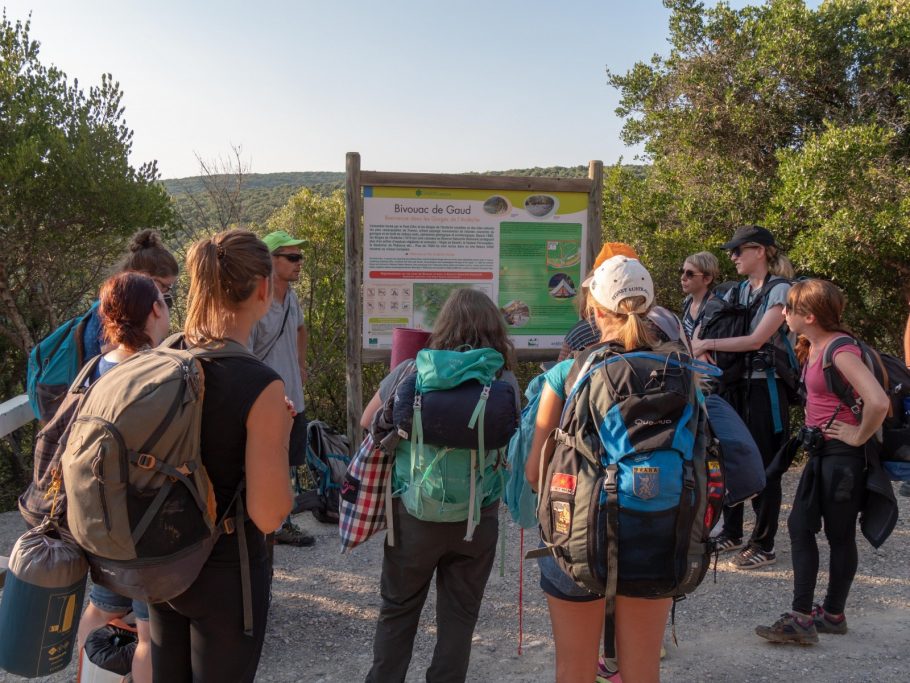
(556, 583)
(109, 601)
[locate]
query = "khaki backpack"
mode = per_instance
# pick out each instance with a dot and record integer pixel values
(140, 502)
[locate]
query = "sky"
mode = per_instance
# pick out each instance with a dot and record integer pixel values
(412, 86)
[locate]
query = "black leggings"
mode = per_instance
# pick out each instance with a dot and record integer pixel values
(842, 487)
(198, 636)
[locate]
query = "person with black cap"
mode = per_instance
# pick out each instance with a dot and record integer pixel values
(761, 398)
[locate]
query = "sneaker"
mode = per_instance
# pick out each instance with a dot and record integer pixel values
(904, 490)
(607, 671)
(291, 534)
(790, 629)
(725, 543)
(753, 558)
(825, 623)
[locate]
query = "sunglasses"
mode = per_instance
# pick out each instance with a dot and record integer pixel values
(293, 258)
(736, 251)
(168, 299)
(688, 274)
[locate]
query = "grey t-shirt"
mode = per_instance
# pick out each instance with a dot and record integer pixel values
(277, 348)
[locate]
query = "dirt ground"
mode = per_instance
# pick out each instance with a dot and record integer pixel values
(325, 605)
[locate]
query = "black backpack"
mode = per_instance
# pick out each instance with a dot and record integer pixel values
(328, 455)
(732, 319)
(894, 377)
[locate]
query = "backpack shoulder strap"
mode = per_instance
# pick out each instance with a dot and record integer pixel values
(834, 381)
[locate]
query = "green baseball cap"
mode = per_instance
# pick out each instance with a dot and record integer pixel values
(279, 238)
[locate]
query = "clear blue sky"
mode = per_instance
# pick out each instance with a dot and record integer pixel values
(412, 86)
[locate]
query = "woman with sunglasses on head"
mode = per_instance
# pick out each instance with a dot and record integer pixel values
(761, 398)
(832, 488)
(697, 277)
(199, 635)
(133, 317)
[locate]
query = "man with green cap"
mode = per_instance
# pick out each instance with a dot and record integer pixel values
(279, 339)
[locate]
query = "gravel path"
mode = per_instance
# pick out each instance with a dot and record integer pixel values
(325, 605)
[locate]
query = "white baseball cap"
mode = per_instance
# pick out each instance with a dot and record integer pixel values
(618, 278)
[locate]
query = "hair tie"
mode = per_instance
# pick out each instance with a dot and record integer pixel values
(220, 249)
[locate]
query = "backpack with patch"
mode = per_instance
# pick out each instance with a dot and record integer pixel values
(45, 495)
(455, 421)
(54, 363)
(139, 499)
(328, 455)
(630, 491)
(894, 377)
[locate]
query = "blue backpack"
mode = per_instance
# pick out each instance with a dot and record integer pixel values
(520, 498)
(629, 496)
(54, 363)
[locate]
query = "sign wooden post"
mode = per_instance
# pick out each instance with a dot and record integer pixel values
(353, 281)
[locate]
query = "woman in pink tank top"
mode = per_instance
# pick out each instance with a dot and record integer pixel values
(832, 486)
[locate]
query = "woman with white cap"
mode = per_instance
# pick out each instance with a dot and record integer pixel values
(622, 294)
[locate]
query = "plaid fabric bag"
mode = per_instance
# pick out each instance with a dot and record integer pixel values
(365, 494)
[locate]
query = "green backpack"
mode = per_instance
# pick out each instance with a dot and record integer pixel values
(452, 476)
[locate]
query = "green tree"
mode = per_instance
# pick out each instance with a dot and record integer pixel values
(69, 197)
(728, 115)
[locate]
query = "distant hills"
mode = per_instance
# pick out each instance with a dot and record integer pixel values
(264, 193)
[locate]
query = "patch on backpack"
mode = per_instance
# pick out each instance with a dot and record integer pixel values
(563, 483)
(563, 516)
(646, 482)
(349, 489)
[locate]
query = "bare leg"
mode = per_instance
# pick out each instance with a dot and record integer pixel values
(142, 657)
(577, 628)
(640, 625)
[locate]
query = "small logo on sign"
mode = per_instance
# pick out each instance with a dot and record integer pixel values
(562, 517)
(646, 482)
(563, 483)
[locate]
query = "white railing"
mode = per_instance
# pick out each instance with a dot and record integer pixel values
(14, 414)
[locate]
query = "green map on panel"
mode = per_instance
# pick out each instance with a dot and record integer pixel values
(539, 274)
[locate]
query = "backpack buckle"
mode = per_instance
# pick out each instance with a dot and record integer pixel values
(146, 461)
(228, 526)
(610, 479)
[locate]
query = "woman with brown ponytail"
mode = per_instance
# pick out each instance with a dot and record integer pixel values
(833, 483)
(199, 636)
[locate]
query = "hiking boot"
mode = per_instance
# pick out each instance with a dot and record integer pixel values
(753, 558)
(607, 671)
(826, 623)
(790, 629)
(724, 543)
(291, 534)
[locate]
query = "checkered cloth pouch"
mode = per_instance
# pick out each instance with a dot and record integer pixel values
(365, 495)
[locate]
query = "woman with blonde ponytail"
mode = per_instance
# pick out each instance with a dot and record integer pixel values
(621, 296)
(761, 396)
(199, 636)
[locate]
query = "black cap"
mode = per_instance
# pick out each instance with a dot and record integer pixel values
(750, 233)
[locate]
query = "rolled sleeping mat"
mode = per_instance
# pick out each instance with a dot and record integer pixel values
(744, 469)
(445, 415)
(42, 602)
(406, 342)
(108, 654)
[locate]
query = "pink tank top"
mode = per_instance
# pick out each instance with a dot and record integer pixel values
(820, 403)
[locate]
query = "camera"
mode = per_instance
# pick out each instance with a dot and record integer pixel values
(811, 438)
(763, 359)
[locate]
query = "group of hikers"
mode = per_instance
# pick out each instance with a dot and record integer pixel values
(244, 317)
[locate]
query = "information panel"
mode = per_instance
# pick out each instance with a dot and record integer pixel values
(524, 249)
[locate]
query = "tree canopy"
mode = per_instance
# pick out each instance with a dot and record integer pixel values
(69, 197)
(784, 115)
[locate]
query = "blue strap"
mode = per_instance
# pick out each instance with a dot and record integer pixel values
(775, 400)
